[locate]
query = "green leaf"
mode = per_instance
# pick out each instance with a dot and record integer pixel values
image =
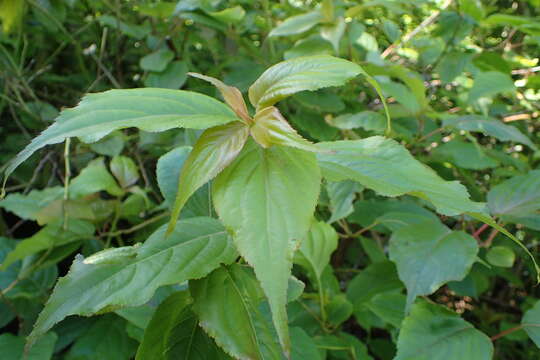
(464, 155)
(231, 307)
(388, 168)
(124, 170)
(129, 276)
(490, 83)
(157, 61)
(267, 198)
(173, 77)
(432, 332)
(303, 346)
(271, 128)
(531, 323)
(501, 256)
(489, 126)
(106, 338)
(29, 205)
(367, 120)
(174, 333)
(168, 170)
(377, 278)
(12, 347)
(50, 236)
(429, 254)
(297, 24)
(452, 65)
(341, 195)
(148, 109)
(316, 247)
(516, 197)
(215, 149)
(299, 74)
(94, 178)
(231, 15)
(390, 307)
(310, 46)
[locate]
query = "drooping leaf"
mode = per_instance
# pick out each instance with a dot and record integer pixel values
(148, 109)
(156, 61)
(297, 24)
(388, 168)
(267, 197)
(489, 126)
(129, 276)
(271, 128)
(432, 332)
(232, 96)
(174, 333)
(341, 195)
(50, 236)
(299, 74)
(429, 254)
(232, 309)
(531, 323)
(215, 149)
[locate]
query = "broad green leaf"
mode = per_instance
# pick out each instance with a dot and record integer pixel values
(390, 307)
(297, 24)
(429, 254)
(316, 247)
(271, 128)
(231, 15)
(299, 74)
(501, 256)
(473, 8)
(367, 120)
(377, 278)
(465, 155)
(231, 307)
(303, 346)
(94, 178)
(12, 347)
(124, 170)
(232, 96)
(452, 65)
(334, 33)
(531, 323)
(432, 332)
(516, 197)
(490, 83)
(173, 77)
(320, 101)
(388, 168)
(132, 30)
(174, 333)
(339, 310)
(129, 276)
(215, 149)
(310, 46)
(168, 172)
(50, 236)
(28, 206)
(148, 109)
(341, 195)
(105, 339)
(267, 198)
(156, 61)
(488, 126)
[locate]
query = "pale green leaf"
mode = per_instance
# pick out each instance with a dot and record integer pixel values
(173, 77)
(231, 15)
(531, 323)
(501, 256)
(341, 195)
(489, 84)
(232, 309)
(215, 149)
(168, 170)
(489, 126)
(367, 120)
(267, 198)
(388, 168)
(516, 197)
(156, 61)
(432, 332)
(174, 333)
(316, 247)
(29, 205)
(299, 74)
(124, 170)
(94, 178)
(148, 109)
(297, 24)
(429, 255)
(390, 307)
(129, 276)
(377, 278)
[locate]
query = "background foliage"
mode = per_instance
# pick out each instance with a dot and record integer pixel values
(462, 85)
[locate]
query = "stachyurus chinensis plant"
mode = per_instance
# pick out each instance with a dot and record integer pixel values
(266, 184)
